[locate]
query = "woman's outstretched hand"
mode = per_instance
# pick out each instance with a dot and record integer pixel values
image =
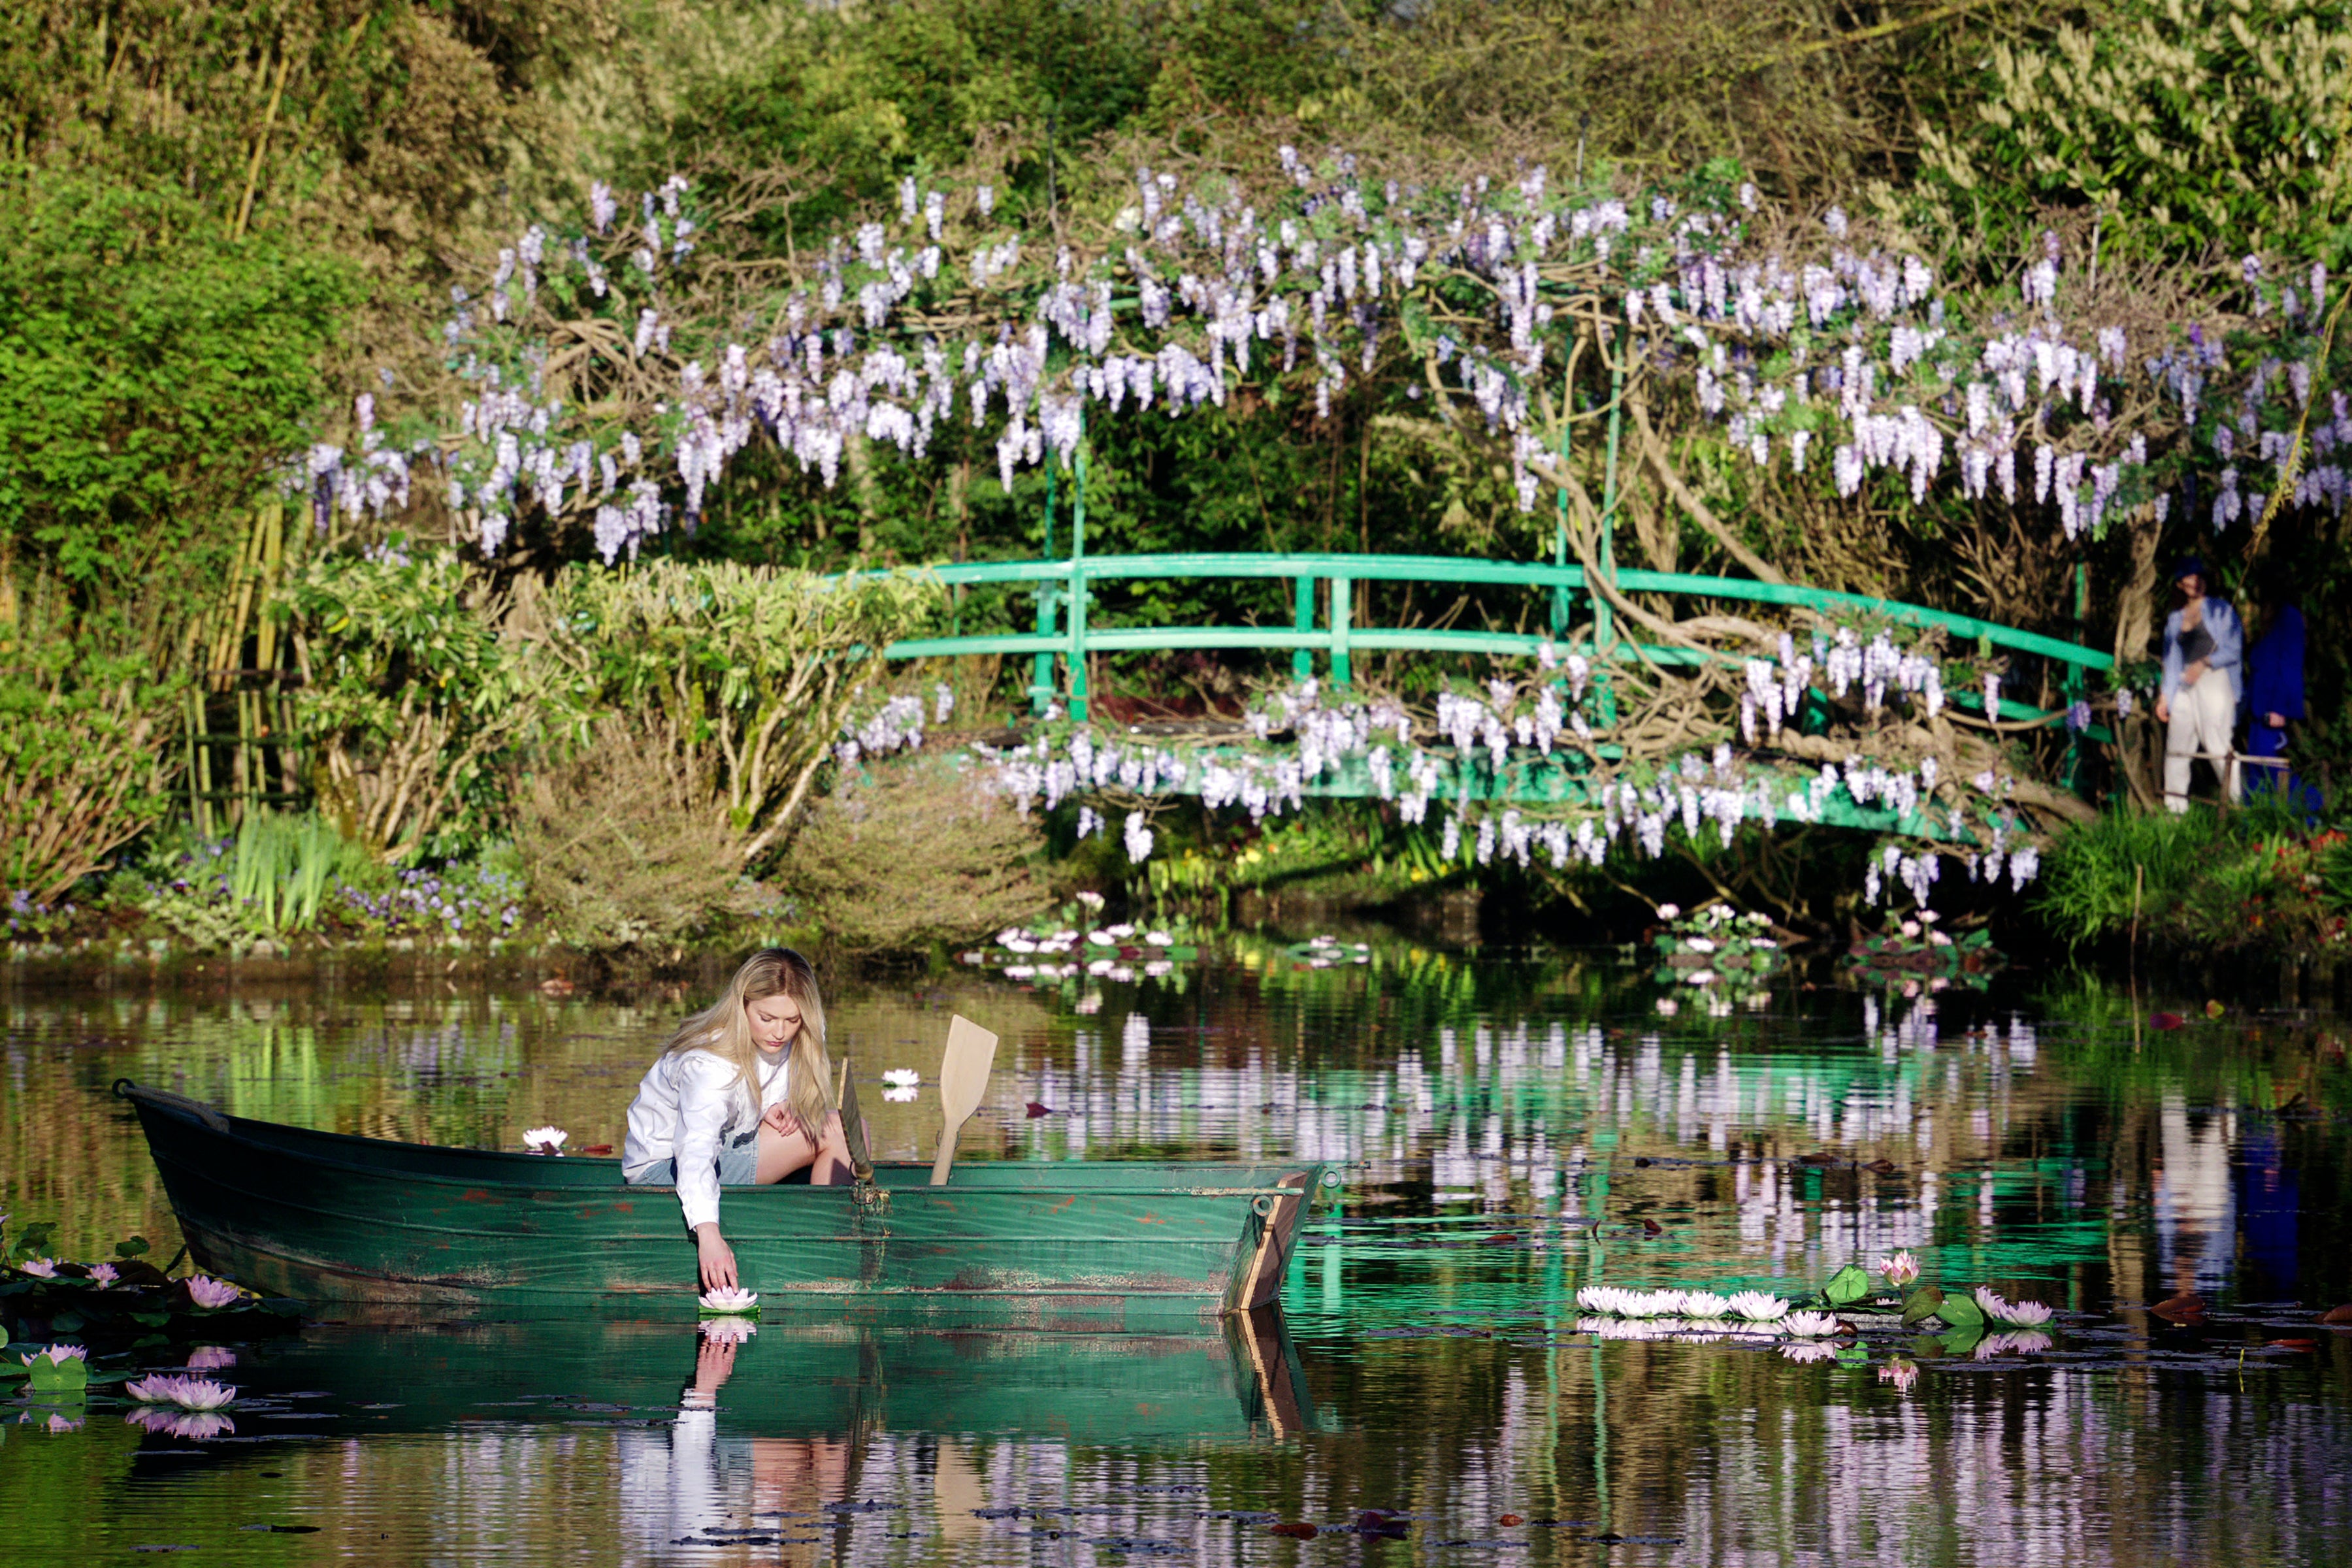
(718, 1258)
(779, 1117)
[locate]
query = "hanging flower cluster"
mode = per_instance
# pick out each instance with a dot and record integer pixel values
(1792, 336)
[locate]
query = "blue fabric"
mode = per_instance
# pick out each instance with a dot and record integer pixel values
(2274, 668)
(2229, 648)
(739, 1165)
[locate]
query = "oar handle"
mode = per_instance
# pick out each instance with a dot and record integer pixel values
(940, 1166)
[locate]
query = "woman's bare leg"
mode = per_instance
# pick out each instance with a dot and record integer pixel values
(781, 1154)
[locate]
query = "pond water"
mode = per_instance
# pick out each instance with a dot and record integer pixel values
(1516, 1128)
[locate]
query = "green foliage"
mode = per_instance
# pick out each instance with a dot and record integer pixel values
(2188, 123)
(151, 371)
(282, 867)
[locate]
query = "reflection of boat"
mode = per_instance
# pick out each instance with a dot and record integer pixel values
(804, 1378)
(329, 1217)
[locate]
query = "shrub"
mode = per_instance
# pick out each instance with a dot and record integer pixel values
(618, 844)
(904, 854)
(82, 767)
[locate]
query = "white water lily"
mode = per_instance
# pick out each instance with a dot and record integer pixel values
(729, 1298)
(1758, 1308)
(187, 1393)
(1698, 943)
(1669, 911)
(2017, 1314)
(729, 1330)
(1806, 1352)
(899, 1095)
(1599, 1298)
(1699, 977)
(1705, 1305)
(1809, 1325)
(902, 1078)
(1102, 938)
(1159, 939)
(546, 1140)
(210, 1293)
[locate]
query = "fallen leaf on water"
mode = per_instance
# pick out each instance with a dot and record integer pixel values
(2164, 1020)
(2214, 1009)
(1653, 1228)
(2181, 1309)
(1036, 1110)
(597, 1150)
(1297, 1531)
(2293, 1345)
(2338, 1314)
(1882, 1167)
(1510, 1518)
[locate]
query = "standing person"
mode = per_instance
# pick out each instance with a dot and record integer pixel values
(2274, 690)
(730, 1100)
(2203, 677)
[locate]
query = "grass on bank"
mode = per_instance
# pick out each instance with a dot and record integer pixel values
(2208, 880)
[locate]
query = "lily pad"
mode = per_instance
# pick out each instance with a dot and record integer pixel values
(1847, 1286)
(1921, 1305)
(1961, 1312)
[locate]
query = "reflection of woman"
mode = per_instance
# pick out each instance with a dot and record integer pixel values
(733, 1097)
(2204, 646)
(690, 1481)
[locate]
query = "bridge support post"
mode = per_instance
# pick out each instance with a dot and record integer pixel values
(1078, 595)
(1041, 672)
(1302, 618)
(1343, 594)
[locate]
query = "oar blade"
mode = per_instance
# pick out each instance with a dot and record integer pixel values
(963, 1083)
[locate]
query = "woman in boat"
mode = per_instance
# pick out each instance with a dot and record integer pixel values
(732, 1098)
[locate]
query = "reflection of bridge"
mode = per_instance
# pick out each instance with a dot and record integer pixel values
(1323, 630)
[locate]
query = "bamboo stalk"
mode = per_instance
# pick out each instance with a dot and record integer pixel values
(261, 146)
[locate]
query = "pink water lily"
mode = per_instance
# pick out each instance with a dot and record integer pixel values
(103, 1275)
(1902, 1374)
(194, 1424)
(211, 1358)
(40, 1267)
(1900, 1269)
(210, 1293)
(2017, 1314)
(58, 1356)
(188, 1393)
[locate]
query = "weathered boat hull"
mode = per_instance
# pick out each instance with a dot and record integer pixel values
(331, 1217)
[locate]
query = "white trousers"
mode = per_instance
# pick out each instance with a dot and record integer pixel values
(2203, 718)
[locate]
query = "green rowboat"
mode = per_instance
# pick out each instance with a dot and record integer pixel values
(1106, 1244)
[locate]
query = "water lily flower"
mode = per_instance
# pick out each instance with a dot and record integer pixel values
(200, 1392)
(1804, 1351)
(1698, 943)
(729, 1330)
(2015, 1341)
(211, 1358)
(1669, 1006)
(1909, 928)
(57, 1423)
(1901, 1372)
(902, 1078)
(1699, 977)
(545, 1140)
(1597, 1297)
(1021, 944)
(1159, 939)
(2020, 1314)
(1900, 1269)
(729, 1298)
(1809, 1325)
(212, 1294)
(197, 1425)
(1669, 911)
(40, 1267)
(1758, 1308)
(1703, 1305)
(1102, 938)
(899, 1095)
(58, 1356)
(103, 1275)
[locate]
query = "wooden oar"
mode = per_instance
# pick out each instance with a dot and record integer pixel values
(853, 1128)
(963, 1080)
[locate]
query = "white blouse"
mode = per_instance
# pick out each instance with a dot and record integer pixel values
(689, 1103)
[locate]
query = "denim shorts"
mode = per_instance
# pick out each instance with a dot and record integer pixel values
(739, 1165)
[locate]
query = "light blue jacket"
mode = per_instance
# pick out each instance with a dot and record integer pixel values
(2229, 648)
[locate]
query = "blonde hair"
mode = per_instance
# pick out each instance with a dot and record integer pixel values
(724, 1029)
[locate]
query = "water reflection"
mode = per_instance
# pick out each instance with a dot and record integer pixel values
(1517, 1128)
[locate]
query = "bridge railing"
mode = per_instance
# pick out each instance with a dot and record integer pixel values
(1323, 597)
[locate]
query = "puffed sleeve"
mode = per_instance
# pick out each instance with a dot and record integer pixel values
(706, 1094)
